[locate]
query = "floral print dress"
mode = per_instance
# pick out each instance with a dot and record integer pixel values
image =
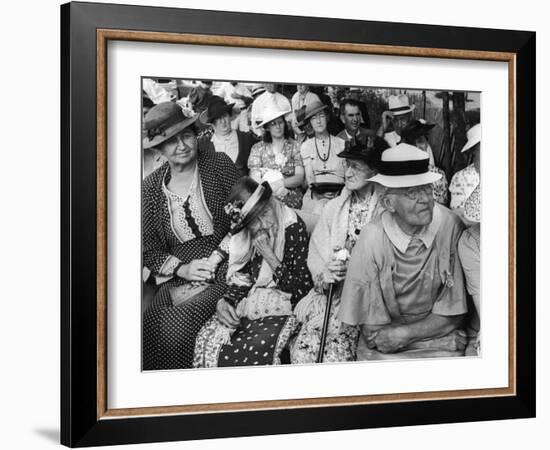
(263, 157)
(341, 341)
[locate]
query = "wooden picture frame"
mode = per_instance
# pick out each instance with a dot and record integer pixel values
(85, 416)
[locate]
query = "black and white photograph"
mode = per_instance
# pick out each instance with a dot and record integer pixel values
(287, 223)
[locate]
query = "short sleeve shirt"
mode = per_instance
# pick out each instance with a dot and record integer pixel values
(332, 169)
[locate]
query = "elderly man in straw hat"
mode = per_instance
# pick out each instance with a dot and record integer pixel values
(400, 113)
(404, 284)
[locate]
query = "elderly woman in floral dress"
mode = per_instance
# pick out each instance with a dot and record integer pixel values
(276, 159)
(331, 242)
(184, 224)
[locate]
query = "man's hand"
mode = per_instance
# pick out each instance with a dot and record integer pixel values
(389, 339)
(386, 119)
(197, 270)
(227, 314)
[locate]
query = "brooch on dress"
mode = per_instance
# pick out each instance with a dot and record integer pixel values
(449, 282)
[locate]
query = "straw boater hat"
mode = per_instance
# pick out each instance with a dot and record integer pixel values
(313, 108)
(217, 108)
(474, 137)
(164, 121)
(399, 104)
(242, 213)
(404, 166)
(414, 129)
(271, 113)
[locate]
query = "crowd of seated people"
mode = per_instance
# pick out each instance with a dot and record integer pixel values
(250, 226)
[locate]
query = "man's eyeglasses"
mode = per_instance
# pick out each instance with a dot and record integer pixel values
(413, 193)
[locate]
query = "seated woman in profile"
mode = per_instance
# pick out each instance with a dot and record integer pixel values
(184, 223)
(276, 159)
(266, 277)
(331, 243)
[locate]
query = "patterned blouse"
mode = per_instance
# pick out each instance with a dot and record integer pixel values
(440, 187)
(263, 156)
(462, 185)
(360, 213)
(167, 234)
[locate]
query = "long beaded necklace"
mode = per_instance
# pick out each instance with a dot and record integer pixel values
(325, 157)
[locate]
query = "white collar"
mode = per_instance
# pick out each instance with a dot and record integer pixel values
(401, 240)
(227, 137)
(349, 135)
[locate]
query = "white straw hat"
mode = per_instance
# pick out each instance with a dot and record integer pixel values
(399, 104)
(405, 166)
(272, 112)
(474, 137)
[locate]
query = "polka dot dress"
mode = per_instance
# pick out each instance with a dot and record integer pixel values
(261, 341)
(169, 331)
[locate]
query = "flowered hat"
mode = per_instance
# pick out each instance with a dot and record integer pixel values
(164, 121)
(404, 166)
(243, 212)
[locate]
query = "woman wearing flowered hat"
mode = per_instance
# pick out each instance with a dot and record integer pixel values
(184, 223)
(266, 277)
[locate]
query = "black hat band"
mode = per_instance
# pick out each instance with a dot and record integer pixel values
(396, 168)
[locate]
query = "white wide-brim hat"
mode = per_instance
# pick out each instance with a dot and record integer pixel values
(474, 137)
(271, 113)
(405, 166)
